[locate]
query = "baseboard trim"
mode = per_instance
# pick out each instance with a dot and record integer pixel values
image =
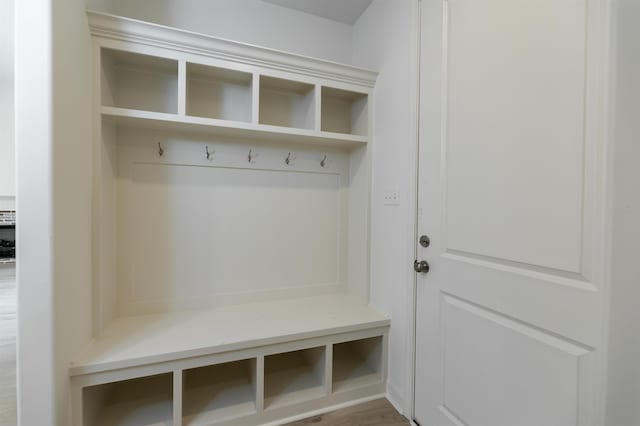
(396, 399)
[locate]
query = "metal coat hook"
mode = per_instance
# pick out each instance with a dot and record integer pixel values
(250, 157)
(207, 153)
(323, 162)
(288, 159)
(160, 150)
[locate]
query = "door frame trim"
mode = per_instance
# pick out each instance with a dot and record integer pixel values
(412, 302)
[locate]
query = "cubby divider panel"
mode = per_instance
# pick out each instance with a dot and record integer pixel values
(344, 111)
(218, 93)
(146, 401)
(293, 377)
(135, 81)
(287, 103)
(357, 363)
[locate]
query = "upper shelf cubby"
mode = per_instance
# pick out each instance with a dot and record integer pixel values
(137, 81)
(344, 111)
(218, 93)
(227, 89)
(287, 103)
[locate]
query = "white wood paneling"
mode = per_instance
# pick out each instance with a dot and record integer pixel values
(194, 232)
(222, 212)
(212, 84)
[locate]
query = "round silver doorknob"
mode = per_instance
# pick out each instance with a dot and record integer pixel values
(421, 266)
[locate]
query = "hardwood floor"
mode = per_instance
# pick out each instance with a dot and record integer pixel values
(375, 413)
(7, 346)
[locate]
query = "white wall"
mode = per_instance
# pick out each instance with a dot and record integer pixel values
(72, 185)
(101, 5)
(7, 161)
(53, 132)
(249, 21)
(384, 40)
(623, 401)
(36, 402)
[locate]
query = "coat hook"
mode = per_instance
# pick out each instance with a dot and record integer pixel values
(323, 162)
(207, 153)
(160, 150)
(290, 158)
(250, 156)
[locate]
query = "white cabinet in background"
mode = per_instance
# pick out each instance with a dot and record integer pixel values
(231, 233)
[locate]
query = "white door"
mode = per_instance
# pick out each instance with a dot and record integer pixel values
(512, 194)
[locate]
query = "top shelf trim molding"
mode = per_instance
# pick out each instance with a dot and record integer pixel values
(131, 30)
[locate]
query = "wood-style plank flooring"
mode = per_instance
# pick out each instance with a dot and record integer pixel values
(7, 346)
(375, 413)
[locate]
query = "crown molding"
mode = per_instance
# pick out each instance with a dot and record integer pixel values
(132, 30)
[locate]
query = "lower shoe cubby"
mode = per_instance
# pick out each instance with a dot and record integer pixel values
(146, 401)
(357, 363)
(219, 393)
(293, 377)
(256, 386)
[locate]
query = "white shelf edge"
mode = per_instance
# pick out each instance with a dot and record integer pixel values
(151, 119)
(83, 368)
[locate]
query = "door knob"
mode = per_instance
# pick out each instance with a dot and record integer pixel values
(421, 266)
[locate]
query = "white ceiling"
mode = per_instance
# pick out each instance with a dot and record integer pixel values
(347, 11)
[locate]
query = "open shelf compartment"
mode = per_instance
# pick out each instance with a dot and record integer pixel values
(357, 363)
(294, 377)
(287, 103)
(344, 111)
(218, 93)
(220, 392)
(146, 401)
(139, 82)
